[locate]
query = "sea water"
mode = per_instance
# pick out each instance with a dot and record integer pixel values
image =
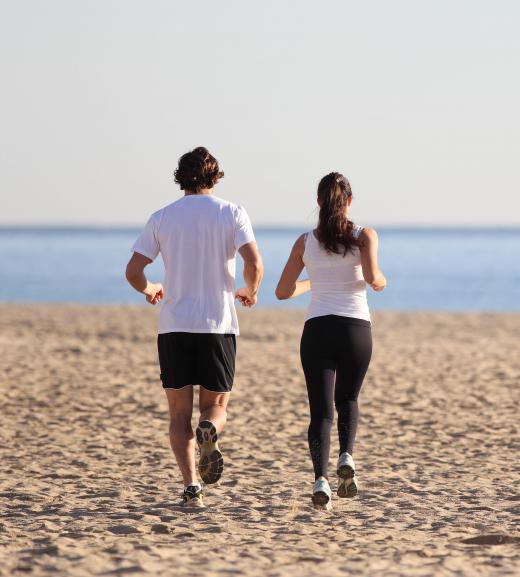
(426, 269)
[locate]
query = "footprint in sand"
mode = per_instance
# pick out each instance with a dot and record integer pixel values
(492, 540)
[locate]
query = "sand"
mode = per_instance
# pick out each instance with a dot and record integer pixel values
(88, 485)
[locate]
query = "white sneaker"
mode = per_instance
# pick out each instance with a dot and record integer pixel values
(346, 471)
(321, 494)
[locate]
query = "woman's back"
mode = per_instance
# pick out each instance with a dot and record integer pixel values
(338, 286)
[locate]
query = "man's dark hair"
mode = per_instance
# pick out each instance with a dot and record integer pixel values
(197, 169)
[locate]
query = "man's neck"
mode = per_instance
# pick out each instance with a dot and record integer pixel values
(201, 192)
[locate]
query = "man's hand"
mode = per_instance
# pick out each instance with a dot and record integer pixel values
(154, 292)
(244, 296)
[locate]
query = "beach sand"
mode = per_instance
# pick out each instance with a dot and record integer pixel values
(88, 485)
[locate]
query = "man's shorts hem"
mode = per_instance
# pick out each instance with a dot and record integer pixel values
(170, 388)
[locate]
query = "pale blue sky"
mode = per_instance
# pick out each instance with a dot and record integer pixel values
(415, 101)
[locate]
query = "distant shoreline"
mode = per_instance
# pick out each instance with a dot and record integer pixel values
(271, 229)
(295, 311)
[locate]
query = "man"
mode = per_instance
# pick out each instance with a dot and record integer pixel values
(198, 237)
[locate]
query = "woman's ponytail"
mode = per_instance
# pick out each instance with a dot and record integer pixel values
(334, 229)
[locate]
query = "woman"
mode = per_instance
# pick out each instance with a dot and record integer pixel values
(336, 343)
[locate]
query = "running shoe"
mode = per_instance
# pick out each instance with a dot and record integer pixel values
(321, 494)
(347, 486)
(211, 463)
(193, 496)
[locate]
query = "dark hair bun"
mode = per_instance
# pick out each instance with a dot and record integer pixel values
(197, 170)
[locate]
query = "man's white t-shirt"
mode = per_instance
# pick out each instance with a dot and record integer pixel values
(198, 237)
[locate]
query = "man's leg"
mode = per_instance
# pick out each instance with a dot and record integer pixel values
(213, 407)
(182, 439)
(212, 420)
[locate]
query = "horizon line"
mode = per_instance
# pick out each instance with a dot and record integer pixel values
(260, 226)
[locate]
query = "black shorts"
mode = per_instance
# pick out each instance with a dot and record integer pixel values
(206, 359)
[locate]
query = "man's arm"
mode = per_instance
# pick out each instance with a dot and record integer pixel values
(137, 279)
(253, 273)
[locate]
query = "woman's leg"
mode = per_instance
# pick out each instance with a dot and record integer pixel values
(319, 376)
(353, 361)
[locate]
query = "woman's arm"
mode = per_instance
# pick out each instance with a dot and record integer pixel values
(289, 286)
(368, 243)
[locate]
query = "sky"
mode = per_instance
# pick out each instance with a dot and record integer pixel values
(415, 101)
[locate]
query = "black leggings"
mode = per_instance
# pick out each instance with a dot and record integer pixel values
(335, 353)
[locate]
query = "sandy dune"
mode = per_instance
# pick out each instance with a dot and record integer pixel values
(88, 485)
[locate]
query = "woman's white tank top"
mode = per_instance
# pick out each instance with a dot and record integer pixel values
(337, 283)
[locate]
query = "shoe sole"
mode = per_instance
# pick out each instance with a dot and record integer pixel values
(211, 462)
(345, 472)
(347, 488)
(321, 500)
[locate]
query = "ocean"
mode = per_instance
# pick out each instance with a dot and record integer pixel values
(426, 268)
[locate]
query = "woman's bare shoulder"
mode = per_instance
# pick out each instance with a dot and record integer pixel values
(367, 236)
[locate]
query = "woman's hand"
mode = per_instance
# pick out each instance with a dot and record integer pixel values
(379, 284)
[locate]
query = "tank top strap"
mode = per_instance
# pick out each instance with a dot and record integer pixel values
(356, 231)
